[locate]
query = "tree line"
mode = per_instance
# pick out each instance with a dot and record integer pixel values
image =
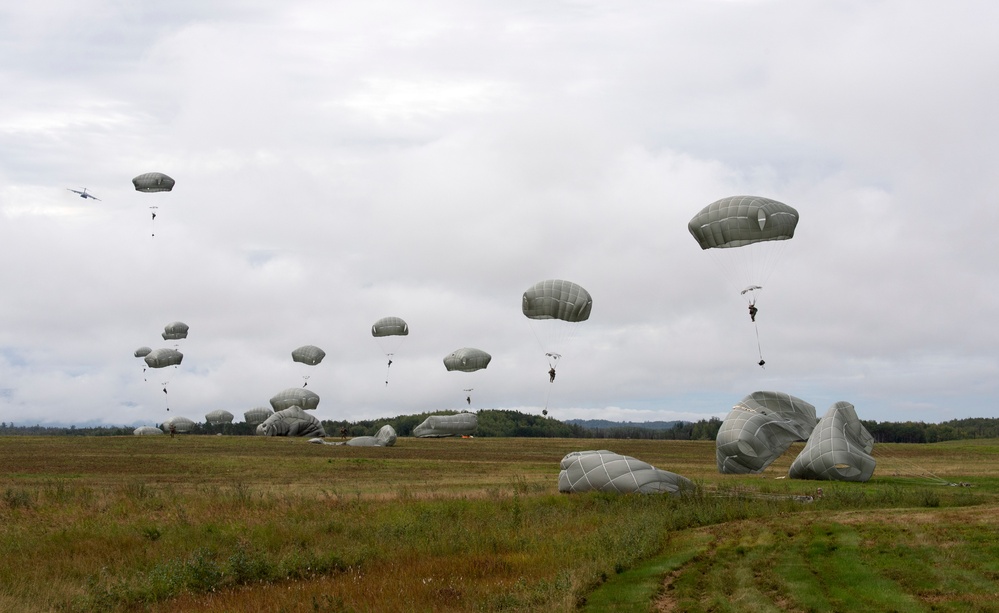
(503, 423)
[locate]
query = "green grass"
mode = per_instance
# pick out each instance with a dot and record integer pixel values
(269, 524)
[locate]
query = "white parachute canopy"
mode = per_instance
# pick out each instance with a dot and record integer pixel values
(292, 421)
(257, 415)
(295, 397)
(839, 448)
(219, 417)
(606, 471)
(180, 424)
(759, 429)
(384, 438)
(147, 431)
(440, 426)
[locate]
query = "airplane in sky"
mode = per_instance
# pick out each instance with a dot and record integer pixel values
(84, 194)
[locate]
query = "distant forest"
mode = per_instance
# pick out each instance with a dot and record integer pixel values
(516, 424)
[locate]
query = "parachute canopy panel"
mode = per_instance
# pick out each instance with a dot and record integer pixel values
(295, 397)
(153, 182)
(467, 359)
(389, 326)
(759, 429)
(161, 358)
(839, 448)
(557, 299)
(440, 426)
(606, 471)
(308, 354)
(741, 220)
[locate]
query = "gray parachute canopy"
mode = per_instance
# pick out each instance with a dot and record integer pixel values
(153, 182)
(295, 397)
(467, 359)
(385, 438)
(292, 421)
(175, 330)
(557, 299)
(161, 358)
(389, 326)
(219, 417)
(180, 424)
(742, 220)
(606, 471)
(147, 431)
(308, 354)
(142, 352)
(839, 448)
(759, 429)
(439, 426)
(257, 415)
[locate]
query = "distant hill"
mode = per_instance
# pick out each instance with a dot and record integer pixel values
(603, 424)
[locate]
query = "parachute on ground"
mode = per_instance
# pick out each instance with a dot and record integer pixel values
(161, 358)
(759, 429)
(142, 352)
(440, 426)
(257, 415)
(839, 448)
(147, 431)
(308, 354)
(606, 471)
(219, 417)
(467, 359)
(153, 182)
(384, 438)
(180, 424)
(292, 421)
(175, 331)
(295, 397)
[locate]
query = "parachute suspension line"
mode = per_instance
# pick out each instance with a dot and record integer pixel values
(758, 346)
(907, 468)
(166, 396)
(305, 378)
(152, 210)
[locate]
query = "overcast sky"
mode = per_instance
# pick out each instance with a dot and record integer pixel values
(339, 162)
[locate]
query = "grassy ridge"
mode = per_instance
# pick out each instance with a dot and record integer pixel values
(265, 524)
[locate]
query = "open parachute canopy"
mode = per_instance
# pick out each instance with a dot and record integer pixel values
(389, 326)
(142, 352)
(742, 220)
(174, 331)
(467, 359)
(308, 354)
(557, 299)
(295, 397)
(161, 358)
(153, 182)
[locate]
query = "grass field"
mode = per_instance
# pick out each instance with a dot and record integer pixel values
(211, 523)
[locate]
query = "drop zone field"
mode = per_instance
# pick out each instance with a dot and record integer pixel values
(213, 523)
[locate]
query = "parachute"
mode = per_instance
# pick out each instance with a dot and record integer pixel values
(147, 431)
(440, 426)
(759, 429)
(151, 182)
(606, 471)
(161, 358)
(175, 331)
(309, 355)
(384, 438)
(257, 415)
(389, 332)
(839, 448)
(292, 421)
(180, 424)
(295, 397)
(142, 352)
(555, 308)
(467, 359)
(747, 236)
(219, 417)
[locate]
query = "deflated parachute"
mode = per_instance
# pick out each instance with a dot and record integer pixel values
(384, 438)
(839, 448)
(759, 429)
(606, 471)
(257, 415)
(440, 426)
(292, 421)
